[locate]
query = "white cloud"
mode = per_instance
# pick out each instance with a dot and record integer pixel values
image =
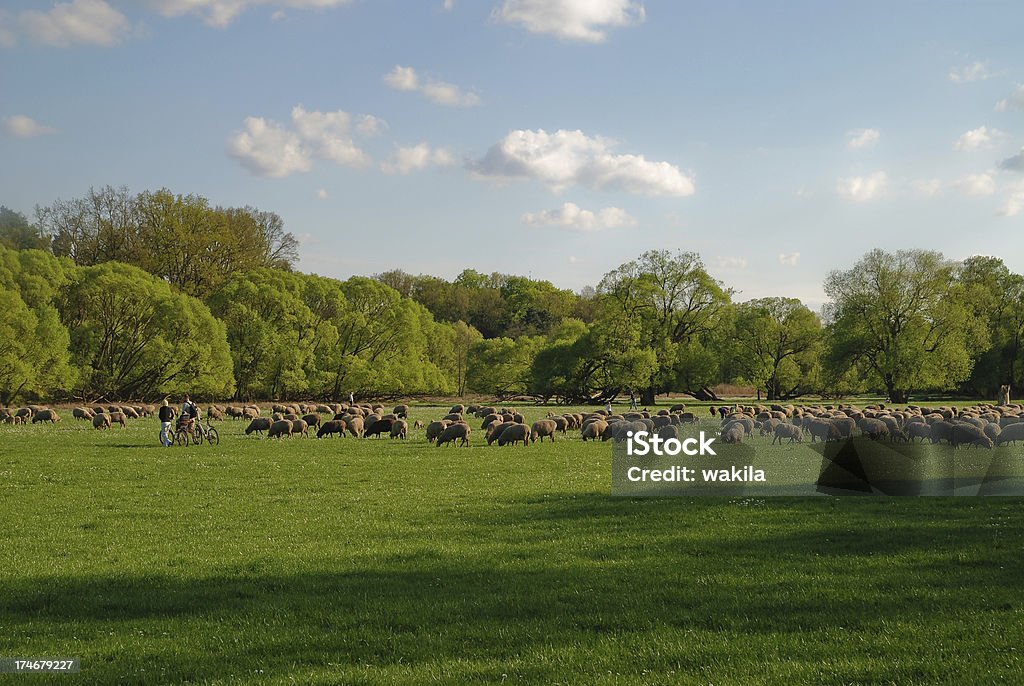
(406, 79)
(79, 22)
(862, 188)
(1014, 102)
(729, 262)
(862, 138)
(1014, 163)
(448, 5)
(278, 15)
(572, 259)
(322, 194)
(572, 216)
(7, 37)
(26, 127)
(975, 71)
(370, 125)
(418, 157)
(567, 158)
(977, 139)
(803, 192)
(268, 148)
(1014, 200)
(928, 187)
(583, 20)
(791, 259)
(220, 13)
(976, 184)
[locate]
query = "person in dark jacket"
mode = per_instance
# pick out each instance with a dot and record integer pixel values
(166, 416)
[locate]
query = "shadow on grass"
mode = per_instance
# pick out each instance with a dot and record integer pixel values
(558, 573)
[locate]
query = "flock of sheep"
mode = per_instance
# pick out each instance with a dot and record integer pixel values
(981, 425)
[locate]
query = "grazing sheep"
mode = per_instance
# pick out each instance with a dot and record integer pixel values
(1011, 433)
(101, 421)
(82, 413)
(874, 429)
(458, 431)
(497, 429)
(679, 407)
(453, 417)
(46, 416)
(417, 424)
(299, 426)
(435, 429)
(992, 430)
(515, 433)
(768, 426)
(24, 412)
(790, 431)
(98, 409)
(942, 430)
(259, 425)
(845, 425)
(368, 422)
(490, 419)
(250, 413)
(400, 429)
(233, 411)
(542, 428)
(668, 431)
(282, 427)
(381, 427)
(117, 417)
(401, 411)
(920, 430)
(214, 412)
(823, 429)
(689, 418)
(331, 427)
(733, 433)
(593, 430)
(457, 409)
(129, 412)
(312, 419)
(969, 434)
(355, 426)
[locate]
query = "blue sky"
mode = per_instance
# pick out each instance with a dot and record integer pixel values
(555, 138)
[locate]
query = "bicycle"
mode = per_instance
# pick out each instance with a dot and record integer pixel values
(196, 432)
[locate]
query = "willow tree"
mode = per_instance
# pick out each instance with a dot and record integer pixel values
(777, 346)
(902, 317)
(676, 306)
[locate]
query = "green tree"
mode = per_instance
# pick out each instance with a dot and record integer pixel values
(903, 317)
(502, 366)
(995, 295)
(18, 234)
(777, 346)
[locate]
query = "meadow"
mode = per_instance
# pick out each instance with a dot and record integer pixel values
(345, 561)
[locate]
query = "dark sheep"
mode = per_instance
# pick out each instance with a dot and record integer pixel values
(969, 434)
(1011, 433)
(282, 427)
(458, 431)
(497, 429)
(400, 429)
(101, 421)
(401, 411)
(46, 416)
(299, 426)
(515, 433)
(331, 427)
(435, 429)
(942, 430)
(312, 419)
(733, 433)
(457, 409)
(790, 431)
(381, 427)
(259, 425)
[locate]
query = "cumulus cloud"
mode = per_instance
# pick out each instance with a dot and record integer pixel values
(1014, 102)
(26, 127)
(862, 138)
(406, 160)
(927, 187)
(1014, 163)
(268, 148)
(79, 22)
(1014, 200)
(790, 260)
(729, 262)
(976, 184)
(862, 188)
(586, 21)
(220, 13)
(448, 5)
(975, 71)
(571, 158)
(572, 216)
(406, 79)
(322, 194)
(977, 139)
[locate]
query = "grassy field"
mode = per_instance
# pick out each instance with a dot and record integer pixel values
(343, 561)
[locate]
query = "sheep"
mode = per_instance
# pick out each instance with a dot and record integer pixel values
(942, 430)
(368, 422)
(282, 427)
(435, 429)
(355, 426)
(661, 420)
(214, 412)
(299, 426)
(250, 413)
(992, 430)
(823, 429)
(259, 425)
(542, 428)
(457, 409)
(1011, 433)
(331, 427)
(400, 429)
(623, 429)
(381, 427)
(733, 433)
(679, 407)
(98, 409)
(459, 431)
(324, 409)
(494, 433)
(845, 425)
(101, 421)
(873, 428)
(453, 417)
(790, 431)
(688, 418)
(969, 434)
(768, 426)
(46, 416)
(920, 430)
(402, 411)
(117, 417)
(312, 419)
(82, 413)
(129, 412)
(417, 424)
(234, 411)
(515, 433)
(668, 431)
(593, 430)
(490, 419)
(561, 424)
(25, 412)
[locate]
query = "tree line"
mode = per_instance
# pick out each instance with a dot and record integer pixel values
(119, 295)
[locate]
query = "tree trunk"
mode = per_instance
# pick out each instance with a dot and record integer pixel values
(899, 396)
(647, 396)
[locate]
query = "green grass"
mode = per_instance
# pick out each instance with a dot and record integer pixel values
(381, 562)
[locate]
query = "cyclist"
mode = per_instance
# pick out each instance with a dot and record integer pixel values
(189, 413)
(166, 416)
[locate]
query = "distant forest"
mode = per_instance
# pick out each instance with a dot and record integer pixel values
(118, 295)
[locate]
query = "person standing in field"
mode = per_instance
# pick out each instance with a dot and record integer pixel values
(351, 398)
(166, 416)
(632, 400)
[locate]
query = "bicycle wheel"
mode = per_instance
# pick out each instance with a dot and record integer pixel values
(181, 437)
(197, 436)
(212, 437)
